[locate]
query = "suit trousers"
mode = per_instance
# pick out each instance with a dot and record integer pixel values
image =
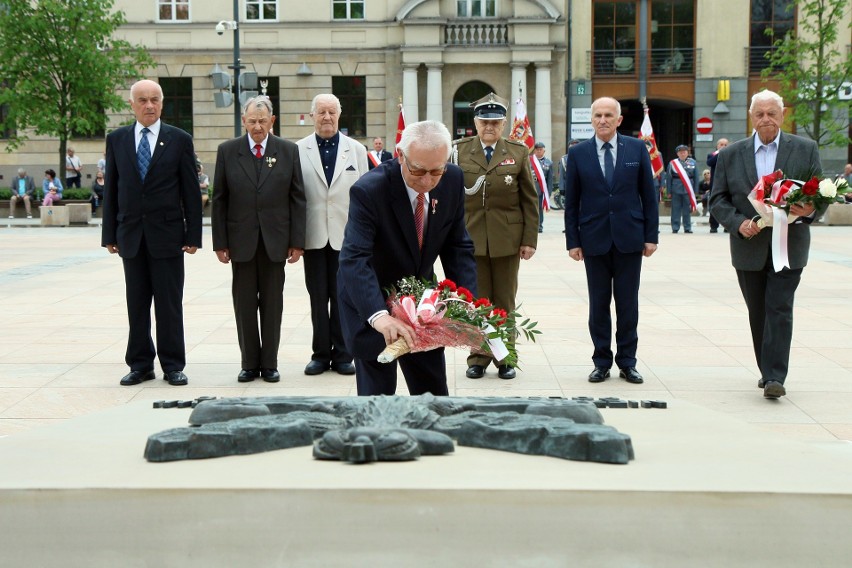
(258, 287)
(161, 280)
(769, 298)
(321, 281)
(424, 372)
(497, 280)
(614, 274)
(681, 210)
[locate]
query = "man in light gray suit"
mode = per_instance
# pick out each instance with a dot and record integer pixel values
(768, 294)
(331, 163)
(258, 226)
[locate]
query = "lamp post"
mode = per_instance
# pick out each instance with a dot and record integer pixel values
(236, 67)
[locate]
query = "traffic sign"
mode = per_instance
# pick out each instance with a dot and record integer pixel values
(704, 125)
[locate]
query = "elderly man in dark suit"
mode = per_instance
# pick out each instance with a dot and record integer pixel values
(382, 245)
(258, 227)
(611, 223)
(768, 294)
(151, 217)
(378, 154)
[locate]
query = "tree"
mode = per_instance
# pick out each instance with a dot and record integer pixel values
(61, 68)
(811, 71)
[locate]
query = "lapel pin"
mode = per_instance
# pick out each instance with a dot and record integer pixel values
(434, 205)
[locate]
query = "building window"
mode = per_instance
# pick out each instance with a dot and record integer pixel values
(271, 90)
(779, 16)
(172, 10)
(347, 9)
(177, 102)
(261, 10)
(476, 8)
(614, 29)
(352, 92)
(672, 36)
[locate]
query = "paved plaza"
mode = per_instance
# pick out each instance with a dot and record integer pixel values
(63, 332)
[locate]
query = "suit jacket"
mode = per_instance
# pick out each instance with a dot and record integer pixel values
(598, 216)
(29, 186)
(503, 214)
(736, 175)
(165, 208)
(384, 157)
(247, 207)
(380, 247)
(328, 205)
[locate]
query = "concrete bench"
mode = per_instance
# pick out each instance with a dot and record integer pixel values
(839, 214)
(54, 216)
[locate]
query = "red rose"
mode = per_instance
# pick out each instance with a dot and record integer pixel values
(464, 294)
(811, 187)
(768, 180)
(447, 285)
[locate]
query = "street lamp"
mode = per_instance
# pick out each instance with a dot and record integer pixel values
(220, 29)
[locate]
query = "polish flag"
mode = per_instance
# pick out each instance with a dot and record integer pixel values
(646, 133)
(400, 126)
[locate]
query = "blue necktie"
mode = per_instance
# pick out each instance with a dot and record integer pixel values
(609, 166)
(143, 154)
(488, 152)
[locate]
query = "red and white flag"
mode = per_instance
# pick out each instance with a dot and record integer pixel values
(646, 133)
(400, 126)
(522, 132)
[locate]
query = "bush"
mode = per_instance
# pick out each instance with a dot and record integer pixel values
(75, 193)
(5, 194)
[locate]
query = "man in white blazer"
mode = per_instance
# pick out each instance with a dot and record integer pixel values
(331, 163)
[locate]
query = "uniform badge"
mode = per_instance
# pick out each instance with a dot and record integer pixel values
(508, 179)
(507, 162)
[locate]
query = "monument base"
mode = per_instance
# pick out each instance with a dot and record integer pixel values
(704, 490)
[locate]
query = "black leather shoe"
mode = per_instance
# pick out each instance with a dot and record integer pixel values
(248, 375)
(506, 372)
(316, 367)
(773, 389)
(343, 368)
(475, 372)
(688, 231)
(136, 377)
(761, 383)
(631, 375)
(599, 375)
(270, 375)
(175, 378)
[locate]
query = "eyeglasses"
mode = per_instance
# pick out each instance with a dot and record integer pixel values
(421, 172)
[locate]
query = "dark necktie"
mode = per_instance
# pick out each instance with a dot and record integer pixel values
(489, 151)
(257, 152)
(609, 166)
(143, 154)
(419, 211)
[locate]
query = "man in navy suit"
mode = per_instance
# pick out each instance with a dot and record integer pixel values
(611, 222)
(378, 154)
(381, 246)
(151, 217)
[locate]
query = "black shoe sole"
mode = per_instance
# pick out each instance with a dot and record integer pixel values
(774, 390)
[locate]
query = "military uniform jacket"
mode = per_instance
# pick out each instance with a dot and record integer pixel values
(501, 210)
(675, 185)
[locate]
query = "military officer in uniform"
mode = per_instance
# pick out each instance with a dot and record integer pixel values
(501, 211)
(682, 178)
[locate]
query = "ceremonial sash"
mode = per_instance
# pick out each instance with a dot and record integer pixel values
(681, 172)
(542, 183)
(373, 159)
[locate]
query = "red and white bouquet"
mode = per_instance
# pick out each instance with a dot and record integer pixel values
(445, 315)
(774, 193)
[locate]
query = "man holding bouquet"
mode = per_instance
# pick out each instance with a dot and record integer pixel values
(403, 215)
(768, 294)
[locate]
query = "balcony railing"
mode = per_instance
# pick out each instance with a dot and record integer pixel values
(476, 33)
(757, 58)
(659, 62)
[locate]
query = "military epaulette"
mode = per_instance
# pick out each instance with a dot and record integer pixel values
(458, 141)
(516, 143)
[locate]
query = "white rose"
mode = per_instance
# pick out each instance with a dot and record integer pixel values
(827, 188)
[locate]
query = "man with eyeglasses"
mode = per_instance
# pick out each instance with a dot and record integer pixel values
(501, 211)
(384, 242)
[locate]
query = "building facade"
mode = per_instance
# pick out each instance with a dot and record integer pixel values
(688, 59)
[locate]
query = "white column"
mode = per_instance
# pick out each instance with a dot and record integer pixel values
(543, 116)
(434, 98)
(409, 93)
(519, 84)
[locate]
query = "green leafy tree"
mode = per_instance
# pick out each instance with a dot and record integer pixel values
(61, 68)
(811, 71)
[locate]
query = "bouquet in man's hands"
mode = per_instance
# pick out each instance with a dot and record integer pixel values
(445, 315)
(773, 195)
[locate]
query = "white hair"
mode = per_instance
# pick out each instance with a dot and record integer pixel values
(617, 104)
(426, 135)
(766, 96)
(257, 103)
(328, 96)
